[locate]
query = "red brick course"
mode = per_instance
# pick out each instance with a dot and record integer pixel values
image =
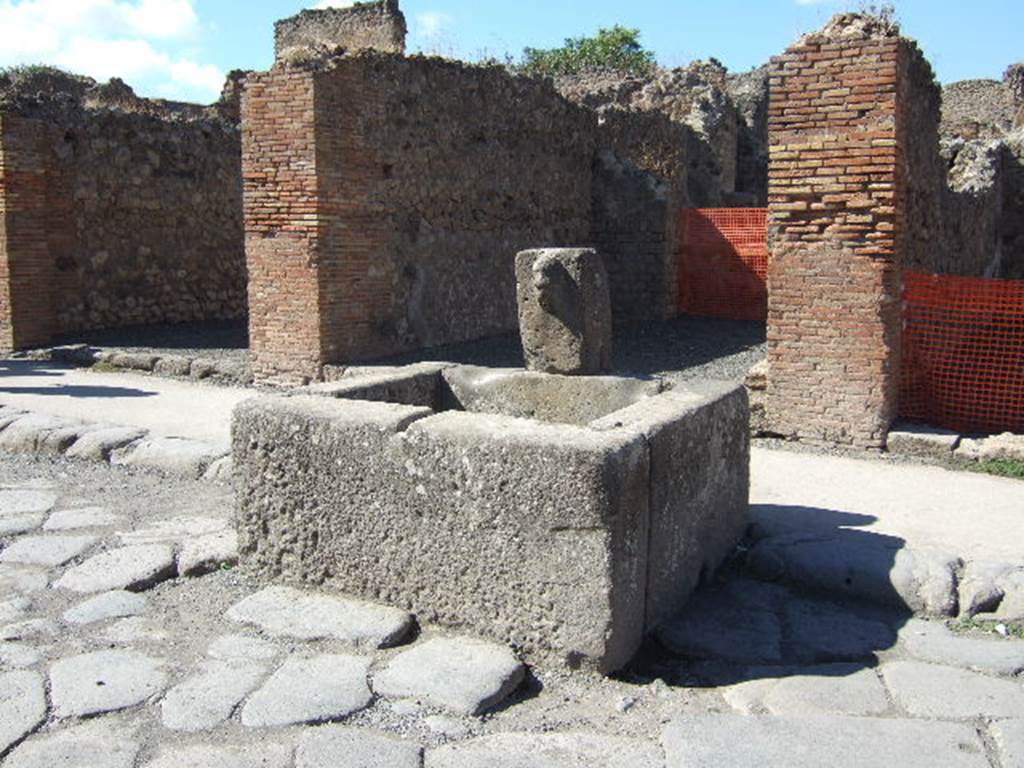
(837, 219)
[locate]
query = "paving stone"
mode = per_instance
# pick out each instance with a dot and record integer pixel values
(15, 525)
(551, 750)
(85, 517)
(22, 706)
(109, 605)
(331, 746)
(834, 689)
(14, 608)
(22, 580)
(207, 698)
(131, 568)
(930, 690)
(922, 440)
(134, 630)
(95, 744)
(738, 741)
(287, 612)
(176, 530)
(98, 444)
(49, 551)
(209, 756)
(173, 455)
(464, 676)
(242, 647)
(310, 691)
(1008, 736)
(204, 554)
(104, 681)
(933, 641)
(17, 656)
(22, 501)
(738, 623)
(25, 630)
(819, 631)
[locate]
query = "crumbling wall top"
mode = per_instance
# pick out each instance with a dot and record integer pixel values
(50, 94)
(377, 25)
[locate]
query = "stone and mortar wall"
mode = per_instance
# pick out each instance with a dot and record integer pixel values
(720, 120)
(838, 226)
(139, 209)
(367, 235)
(377, 25)
(982, 133)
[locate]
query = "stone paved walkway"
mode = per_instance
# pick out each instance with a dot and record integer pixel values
(128, 639)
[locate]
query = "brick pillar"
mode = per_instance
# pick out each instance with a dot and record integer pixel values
(836, 220)
(321, 281)
(27, 273)
(282, 224)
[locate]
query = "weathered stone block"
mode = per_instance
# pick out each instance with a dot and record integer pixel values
(564, 310)
(528, 532)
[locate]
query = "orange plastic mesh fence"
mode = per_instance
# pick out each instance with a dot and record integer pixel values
(723, 265)
(963, 353)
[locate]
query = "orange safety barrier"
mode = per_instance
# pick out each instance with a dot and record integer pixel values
(963, 353)
(723, 264)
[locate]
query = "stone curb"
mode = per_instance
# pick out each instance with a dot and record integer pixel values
(927, 582)
(32, 433)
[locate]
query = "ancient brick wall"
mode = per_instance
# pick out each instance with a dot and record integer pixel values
(139, 203)
(837, 218)
(378, 25)
(408, 237)
(26, 269)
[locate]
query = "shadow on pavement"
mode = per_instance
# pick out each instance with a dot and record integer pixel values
(21, 369)
(765, 620)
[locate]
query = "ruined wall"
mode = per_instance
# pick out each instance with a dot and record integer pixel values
(982, 133)
(717, 118)
(409, 239)
(377, 25)
(141, 207)
(837, 222)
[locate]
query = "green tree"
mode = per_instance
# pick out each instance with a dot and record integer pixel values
(617, 49)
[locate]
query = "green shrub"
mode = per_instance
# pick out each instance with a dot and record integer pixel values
(616, 49)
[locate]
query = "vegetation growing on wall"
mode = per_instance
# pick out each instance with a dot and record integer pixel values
(616, 49)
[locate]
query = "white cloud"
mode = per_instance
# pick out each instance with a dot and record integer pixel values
(433, 24)
(132, 39)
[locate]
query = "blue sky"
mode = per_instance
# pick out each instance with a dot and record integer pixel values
(182, 48)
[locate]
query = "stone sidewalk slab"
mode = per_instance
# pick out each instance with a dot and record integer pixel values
(930, 690)
(550, 750)
(738, 741)
(932, 641)
(331, 746)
